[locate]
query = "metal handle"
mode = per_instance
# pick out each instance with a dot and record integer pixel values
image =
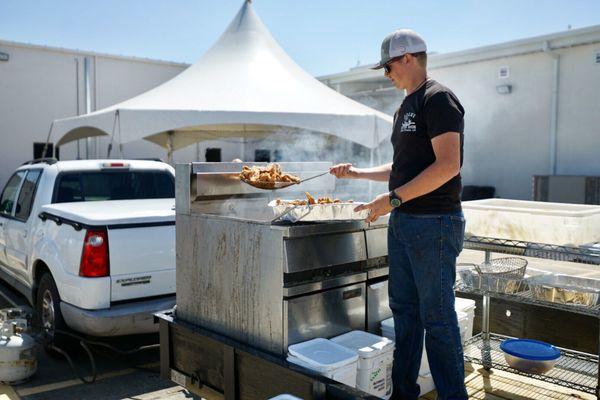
(313, 177)
(352, 293)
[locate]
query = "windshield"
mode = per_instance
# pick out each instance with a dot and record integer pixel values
(113, 185)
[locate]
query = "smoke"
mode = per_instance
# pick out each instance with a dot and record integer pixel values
(307, 146)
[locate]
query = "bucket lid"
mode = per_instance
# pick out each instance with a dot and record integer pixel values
(323, 353)
(530, 349)
(388, 323)
(366, 344)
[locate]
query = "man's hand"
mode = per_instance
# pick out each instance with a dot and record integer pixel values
(378, 207)
(345, 170)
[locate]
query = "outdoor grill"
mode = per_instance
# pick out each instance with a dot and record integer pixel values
(267, 282)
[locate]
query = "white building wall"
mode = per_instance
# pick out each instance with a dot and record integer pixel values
(40, 84)
(507, 136)
(579, 112)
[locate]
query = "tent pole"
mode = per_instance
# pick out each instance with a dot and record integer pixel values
(370, 181)
(170, 147)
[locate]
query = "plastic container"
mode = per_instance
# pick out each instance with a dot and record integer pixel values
(533, 221)
(425, 382)
(530, 356)
(375, 360)
(468, 307)
(326, 358)
(465, 313)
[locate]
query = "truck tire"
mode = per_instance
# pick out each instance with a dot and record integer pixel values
(48, 316)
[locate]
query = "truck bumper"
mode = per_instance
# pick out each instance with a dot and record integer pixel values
(123, 319)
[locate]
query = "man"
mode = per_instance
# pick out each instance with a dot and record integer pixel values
(426, 225)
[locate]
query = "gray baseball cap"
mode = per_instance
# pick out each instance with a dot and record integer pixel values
(399, 43)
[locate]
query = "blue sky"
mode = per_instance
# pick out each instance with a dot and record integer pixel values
(322, 36)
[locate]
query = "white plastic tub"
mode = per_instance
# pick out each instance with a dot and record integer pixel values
(466, 306)
(375, 360)
(326, 358)
(533, 221)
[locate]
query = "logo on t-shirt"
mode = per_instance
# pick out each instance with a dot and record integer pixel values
(408, 123)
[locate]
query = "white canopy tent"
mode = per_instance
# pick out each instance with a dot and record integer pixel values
(244, 86)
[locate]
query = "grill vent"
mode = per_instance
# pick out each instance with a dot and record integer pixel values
(503, 72)
(597, 57)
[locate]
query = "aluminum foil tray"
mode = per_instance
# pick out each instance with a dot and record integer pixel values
(565, 289)
(317, 212)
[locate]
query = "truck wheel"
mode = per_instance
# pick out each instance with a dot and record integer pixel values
(48, 315)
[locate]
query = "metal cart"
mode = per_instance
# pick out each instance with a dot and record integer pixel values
(576, 370)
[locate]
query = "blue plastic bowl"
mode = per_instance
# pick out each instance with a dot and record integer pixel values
(530, 356)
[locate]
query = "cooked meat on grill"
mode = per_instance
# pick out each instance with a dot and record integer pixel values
(270, 174)
(310, 200)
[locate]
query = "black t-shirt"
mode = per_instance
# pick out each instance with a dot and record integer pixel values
(426, 113)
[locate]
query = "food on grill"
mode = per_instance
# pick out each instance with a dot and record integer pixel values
(310, 200)
(266, 175)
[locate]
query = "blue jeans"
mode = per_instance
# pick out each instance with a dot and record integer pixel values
(422, 253)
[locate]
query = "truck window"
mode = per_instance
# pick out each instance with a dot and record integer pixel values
(113, 185)
(7, 200)
(26, 195)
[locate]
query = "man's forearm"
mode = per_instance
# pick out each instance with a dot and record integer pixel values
(427, 181)
(380, 173)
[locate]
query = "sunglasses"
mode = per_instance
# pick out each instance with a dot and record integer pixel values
(387, 67)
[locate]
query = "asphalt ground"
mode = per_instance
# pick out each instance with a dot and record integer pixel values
(135, 376)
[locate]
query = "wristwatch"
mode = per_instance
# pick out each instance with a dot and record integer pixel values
(395, 200)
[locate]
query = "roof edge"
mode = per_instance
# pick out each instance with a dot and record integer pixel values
(64, 50)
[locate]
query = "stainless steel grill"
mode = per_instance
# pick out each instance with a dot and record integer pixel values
(271, 284)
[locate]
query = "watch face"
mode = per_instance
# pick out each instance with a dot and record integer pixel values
(395, 202)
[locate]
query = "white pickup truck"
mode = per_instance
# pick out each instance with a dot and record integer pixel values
(91, 243)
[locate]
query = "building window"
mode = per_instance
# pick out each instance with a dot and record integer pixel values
(503, 72)
(277, 156)
(38, 151)
(597, 57)
(213, 154)
(262, 155)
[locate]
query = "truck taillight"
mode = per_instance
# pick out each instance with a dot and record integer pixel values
(94, 257)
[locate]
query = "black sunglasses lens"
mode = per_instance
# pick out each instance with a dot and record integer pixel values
(386, 68)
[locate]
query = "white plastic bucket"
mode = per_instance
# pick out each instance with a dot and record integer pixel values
(465, 312)
(326, 358)
(426, 384)
(375, 360)
(468, 307)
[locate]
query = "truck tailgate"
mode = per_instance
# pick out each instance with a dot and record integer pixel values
(142, 260)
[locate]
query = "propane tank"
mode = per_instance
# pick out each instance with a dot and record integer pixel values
(17, 354)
